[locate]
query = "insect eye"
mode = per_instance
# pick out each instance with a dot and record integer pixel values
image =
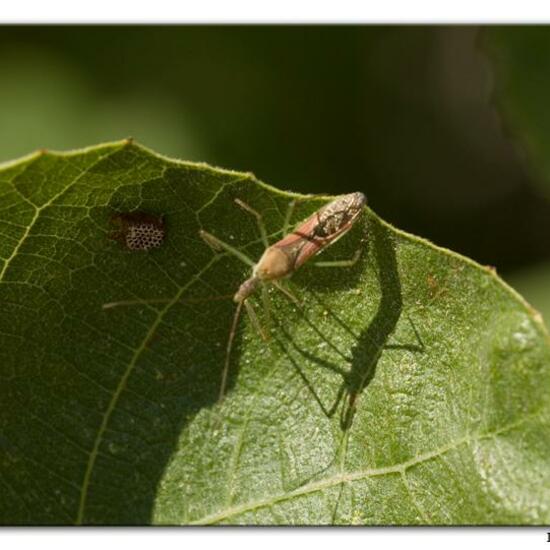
(139, 231)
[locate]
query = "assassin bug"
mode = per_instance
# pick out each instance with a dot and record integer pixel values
(281, 259)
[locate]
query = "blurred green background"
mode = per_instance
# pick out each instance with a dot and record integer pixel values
(444, 128)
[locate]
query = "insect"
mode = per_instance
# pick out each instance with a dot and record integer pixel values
(281, 259)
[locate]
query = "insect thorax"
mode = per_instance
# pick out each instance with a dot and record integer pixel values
(275, 263)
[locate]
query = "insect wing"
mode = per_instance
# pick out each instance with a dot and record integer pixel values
(323, 228)
(302, 242)
(315, 244)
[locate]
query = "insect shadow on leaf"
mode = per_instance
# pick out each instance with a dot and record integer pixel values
(359, 367)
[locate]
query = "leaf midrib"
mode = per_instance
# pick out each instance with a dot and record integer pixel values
(342, 477)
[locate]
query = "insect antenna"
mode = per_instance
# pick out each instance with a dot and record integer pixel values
(232, 332)
(112, 305)
(255, 323)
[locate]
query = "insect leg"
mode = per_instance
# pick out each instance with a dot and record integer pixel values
(340, 263)
(259, 219)
(265, 301)
(254, 320)
(287, 293)
(217, 244)
(289, 212)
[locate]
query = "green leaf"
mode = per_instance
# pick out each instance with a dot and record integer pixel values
(435, 369)
(521, 59)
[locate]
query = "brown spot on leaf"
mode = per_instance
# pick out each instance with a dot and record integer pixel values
(435, 289)
(138, 230)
